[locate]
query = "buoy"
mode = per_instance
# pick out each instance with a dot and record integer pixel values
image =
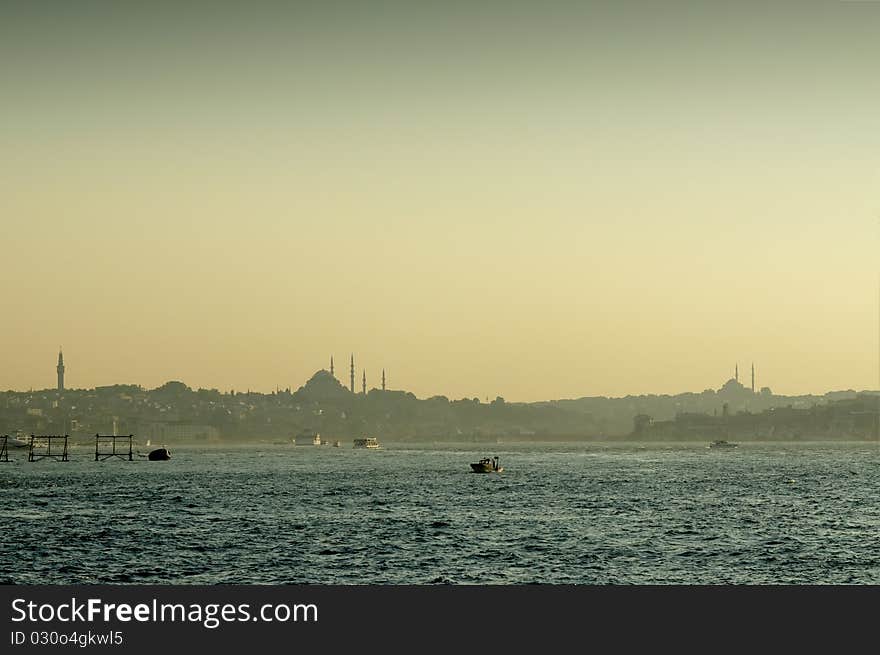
(159, 454)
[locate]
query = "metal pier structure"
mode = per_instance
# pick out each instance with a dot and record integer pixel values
(107, 446)
(48, 446)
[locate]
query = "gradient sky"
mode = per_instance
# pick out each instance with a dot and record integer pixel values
(528, 200)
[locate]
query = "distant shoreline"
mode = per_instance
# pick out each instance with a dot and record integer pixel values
(501, 442)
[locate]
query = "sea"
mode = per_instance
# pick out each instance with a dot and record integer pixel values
(414, 514)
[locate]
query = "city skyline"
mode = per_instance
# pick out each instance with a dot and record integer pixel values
(753, 386)
(533, 201)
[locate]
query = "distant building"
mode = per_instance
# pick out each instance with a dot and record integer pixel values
(733, 388)
(162, 431)
(641, 423)
(60, 370)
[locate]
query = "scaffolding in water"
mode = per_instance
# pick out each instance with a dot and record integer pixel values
(41, 447)
(4, 449)
(105, 440)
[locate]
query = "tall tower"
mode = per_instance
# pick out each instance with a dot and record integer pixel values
(352, 373)
(331, 364)
(736, 373)
(753, 377)
(60, 370)
(383, 379)
(364, 383)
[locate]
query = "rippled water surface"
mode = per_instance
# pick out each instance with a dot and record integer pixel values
(559, 513)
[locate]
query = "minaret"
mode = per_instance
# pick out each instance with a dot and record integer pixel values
(60, 370)
(364, 383)
(753, 377)
(331, 364)
(736, 373)
(383, 379)
(352, 373)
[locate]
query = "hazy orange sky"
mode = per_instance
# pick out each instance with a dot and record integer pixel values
(528, 200)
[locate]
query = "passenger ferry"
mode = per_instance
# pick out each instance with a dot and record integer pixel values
(366, 442)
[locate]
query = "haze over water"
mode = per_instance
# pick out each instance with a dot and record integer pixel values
(532, 200)
(559, 514)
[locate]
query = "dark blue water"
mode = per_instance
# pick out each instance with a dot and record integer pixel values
(559, 513)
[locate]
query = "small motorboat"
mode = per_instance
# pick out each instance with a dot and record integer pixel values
(487, 465)
(18, 441)
(159, 454)
(722, 444)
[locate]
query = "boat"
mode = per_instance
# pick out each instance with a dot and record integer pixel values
(18, 441)
(721, 443)
(487, 465)
(366, 442)
(337, 443)
(159, 454)
(309, 439)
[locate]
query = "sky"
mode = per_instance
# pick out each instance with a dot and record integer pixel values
(528, 200)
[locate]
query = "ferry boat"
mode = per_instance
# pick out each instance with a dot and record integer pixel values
(366, 442)
(721, 443)
(487, 465)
